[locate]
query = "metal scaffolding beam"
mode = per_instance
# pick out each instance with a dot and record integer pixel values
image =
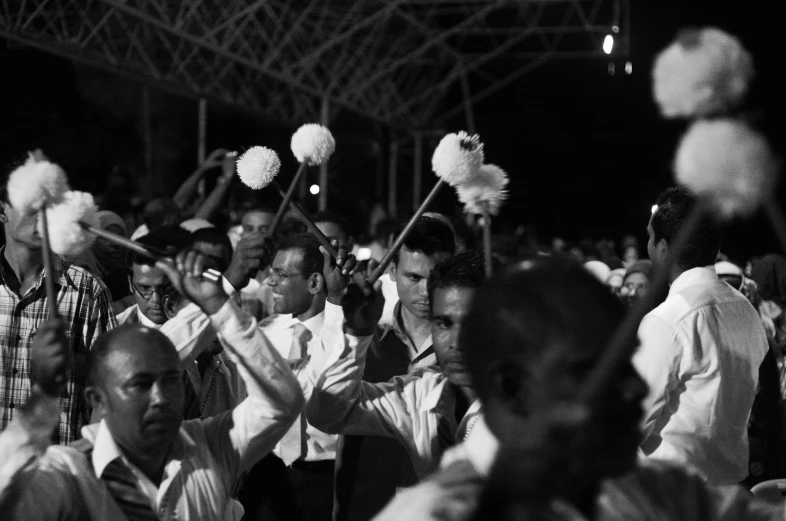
(391, 61)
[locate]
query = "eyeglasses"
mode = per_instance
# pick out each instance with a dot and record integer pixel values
(147, 292)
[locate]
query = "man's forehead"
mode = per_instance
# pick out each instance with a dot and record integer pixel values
(258, 216)
(452, 300)
(288, 259)
(147, 272)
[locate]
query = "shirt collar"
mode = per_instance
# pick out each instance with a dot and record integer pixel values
(105, 450)
(59, 267)
(693, 277)
(398, 329)
(435, 397)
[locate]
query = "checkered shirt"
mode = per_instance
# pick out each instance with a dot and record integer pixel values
(86, 307)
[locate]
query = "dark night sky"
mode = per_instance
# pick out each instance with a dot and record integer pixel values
(586, 151)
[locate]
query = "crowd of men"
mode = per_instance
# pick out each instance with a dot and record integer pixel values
(294, 389)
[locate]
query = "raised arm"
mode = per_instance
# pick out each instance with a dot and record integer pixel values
(341, 402)
(241, 437)
(185, 194)
(215, 199)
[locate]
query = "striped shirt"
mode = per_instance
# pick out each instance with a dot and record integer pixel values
(86, 307)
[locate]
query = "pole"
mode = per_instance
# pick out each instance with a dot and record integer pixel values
(202, 130)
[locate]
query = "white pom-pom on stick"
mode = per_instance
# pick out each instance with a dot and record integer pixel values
(35, 184)
(704, 72)
(66, 234)
(257, 167)
(485, 192)
(313, 144)
(728, 163)
(457, 158)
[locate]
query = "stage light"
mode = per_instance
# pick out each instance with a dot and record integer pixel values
(314, 189)
(608, 44)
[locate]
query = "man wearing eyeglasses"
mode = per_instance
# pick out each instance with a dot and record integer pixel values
(297, 482)
(147, 282)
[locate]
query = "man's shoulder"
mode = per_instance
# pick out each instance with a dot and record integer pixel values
(82, 279)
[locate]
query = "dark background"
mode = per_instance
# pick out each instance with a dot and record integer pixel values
(586, 152)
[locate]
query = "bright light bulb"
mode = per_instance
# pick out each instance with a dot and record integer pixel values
(654, 208)
(314, 189)
(608, 44)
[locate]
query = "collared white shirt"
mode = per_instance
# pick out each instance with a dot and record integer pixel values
(206, 461)
(134, 315)
(700, 355)
(419, 356)
(326, 337)
(407, 408)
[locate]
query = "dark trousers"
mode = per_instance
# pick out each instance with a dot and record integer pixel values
(274, 492)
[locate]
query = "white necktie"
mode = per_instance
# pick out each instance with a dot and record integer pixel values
(292, 442)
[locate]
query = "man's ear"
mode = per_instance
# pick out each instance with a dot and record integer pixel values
(315, 283)
(3, 216)
(170, 307)
(97, 400)
(393, 269)
(662, 248)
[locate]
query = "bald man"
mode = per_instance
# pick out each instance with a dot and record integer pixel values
(142, 461)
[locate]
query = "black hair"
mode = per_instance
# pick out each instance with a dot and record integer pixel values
(429, 236)
(529, 309)
(674, 205)
(160, 212)
(168, 239)
(216, 237)
(309, 245)
(463, 270)
(290, 226)
(332, 217)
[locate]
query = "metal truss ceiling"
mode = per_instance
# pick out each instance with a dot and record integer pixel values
(393, 61)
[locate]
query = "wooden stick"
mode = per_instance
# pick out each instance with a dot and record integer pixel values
(324, 241)
(287, 198)
(151, 253)
(401, 238)
(623, 342)
(49, 266)
(487, 240)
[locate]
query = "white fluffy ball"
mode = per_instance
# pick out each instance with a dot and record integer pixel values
(729, 163)
(66, 236)
(36, 183)
(458, 158)
(258, 166)
(313, 143)
(704, 72)
(486, 188)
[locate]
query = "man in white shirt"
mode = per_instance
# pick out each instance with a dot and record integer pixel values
(532, 338)
(297, 481)
(427, 410)
(700, 354)
(147, 281)
(371, 468)
(141, 461)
